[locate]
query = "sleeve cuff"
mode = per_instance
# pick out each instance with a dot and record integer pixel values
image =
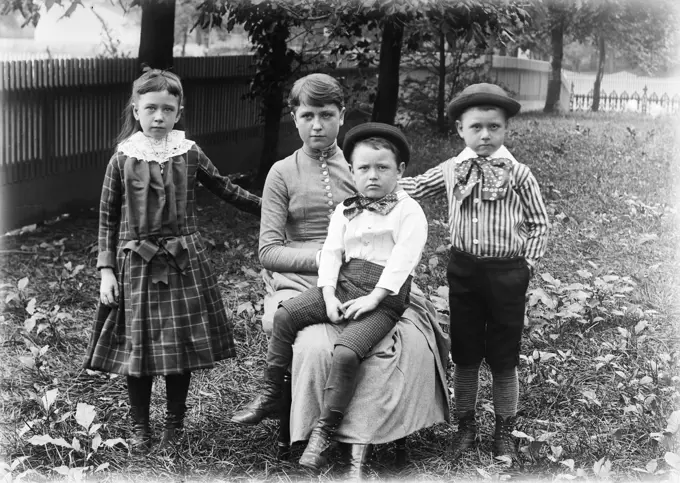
(106, 260)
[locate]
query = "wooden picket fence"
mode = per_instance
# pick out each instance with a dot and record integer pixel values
(613, 101)
(59, 119)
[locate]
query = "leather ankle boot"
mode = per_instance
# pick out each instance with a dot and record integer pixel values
(140, 440)
(504, 443)
(320, 439)
(174, 422)
(358, 456)
(267, 403)
(466, 435)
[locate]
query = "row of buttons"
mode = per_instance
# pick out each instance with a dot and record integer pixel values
(326, 179)
(475, 220)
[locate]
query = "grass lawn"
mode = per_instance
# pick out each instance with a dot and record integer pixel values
(599, 376)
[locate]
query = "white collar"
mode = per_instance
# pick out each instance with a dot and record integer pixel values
(141, 147)
(501, 152)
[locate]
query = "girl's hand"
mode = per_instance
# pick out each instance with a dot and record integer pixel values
(108, 292)
(334, 310)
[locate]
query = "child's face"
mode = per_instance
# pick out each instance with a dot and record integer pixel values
(483, 130)
(375, 171)
(318, 126)
(157, 113)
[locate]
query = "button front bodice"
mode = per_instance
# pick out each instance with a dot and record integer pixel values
(322, 185)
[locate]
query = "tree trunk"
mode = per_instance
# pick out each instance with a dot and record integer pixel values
(385, 106)
(441, 93)
(552, 101)
(273, 109)
(157, 34)
(185, 33)
(272, 100)
(600, 73)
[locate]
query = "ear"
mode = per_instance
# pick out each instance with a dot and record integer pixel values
(342, 116)
(179, 113)
(401, 167)
(459, 127)
(135, 111)
(292, 114)
(351, 167)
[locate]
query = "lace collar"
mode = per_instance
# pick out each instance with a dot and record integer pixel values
(319, 154)
(144, 148)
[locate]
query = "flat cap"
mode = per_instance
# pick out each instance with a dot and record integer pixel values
(482, 94)
(380, 130)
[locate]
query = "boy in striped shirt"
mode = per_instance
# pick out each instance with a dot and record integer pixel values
(499, 227)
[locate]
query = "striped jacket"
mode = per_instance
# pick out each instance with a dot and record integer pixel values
(514, 226)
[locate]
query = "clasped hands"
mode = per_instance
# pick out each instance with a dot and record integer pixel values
(352, 309)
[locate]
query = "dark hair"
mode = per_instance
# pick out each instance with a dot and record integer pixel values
(316, 90)
(152, 80)
(376, 143)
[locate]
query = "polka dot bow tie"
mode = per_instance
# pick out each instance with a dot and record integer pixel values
(358, 203)
(493, 173)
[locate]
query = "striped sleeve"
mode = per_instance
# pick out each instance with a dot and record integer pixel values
(430, 183)
(535, 215)
(110, 205)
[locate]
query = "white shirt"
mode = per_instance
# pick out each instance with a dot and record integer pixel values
(395, 241)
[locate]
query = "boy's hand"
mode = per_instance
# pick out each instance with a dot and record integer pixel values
(334, 310)
(108, 291)
(532, 267)
(363, 305)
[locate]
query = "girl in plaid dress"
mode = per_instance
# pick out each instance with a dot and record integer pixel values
(160, 312)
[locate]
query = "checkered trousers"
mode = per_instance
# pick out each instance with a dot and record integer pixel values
(356, 279)
(162, 329)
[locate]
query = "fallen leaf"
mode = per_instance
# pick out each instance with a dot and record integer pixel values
(49, 398)
(672, 459)
(651, 466)
(85, 414)
(673, 423)
(22, 283)
(646, 380)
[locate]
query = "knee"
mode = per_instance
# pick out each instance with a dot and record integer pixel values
(281, 321)
(344, 355)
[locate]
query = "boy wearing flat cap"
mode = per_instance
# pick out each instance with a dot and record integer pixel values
(374, 243)
(499, 229)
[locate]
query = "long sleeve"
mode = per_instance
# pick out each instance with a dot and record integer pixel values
(274, 251)
(333, 250)
(410, 239)
(430, 183)
(222, 186)
(535, 218)
(109, 215)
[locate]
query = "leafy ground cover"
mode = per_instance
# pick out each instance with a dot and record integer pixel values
(599, 367)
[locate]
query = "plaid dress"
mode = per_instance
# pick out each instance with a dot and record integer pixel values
(170, 318)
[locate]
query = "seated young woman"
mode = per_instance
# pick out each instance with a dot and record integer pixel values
(401, 382)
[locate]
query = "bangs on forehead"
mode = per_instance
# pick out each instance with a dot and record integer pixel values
(159, 82)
